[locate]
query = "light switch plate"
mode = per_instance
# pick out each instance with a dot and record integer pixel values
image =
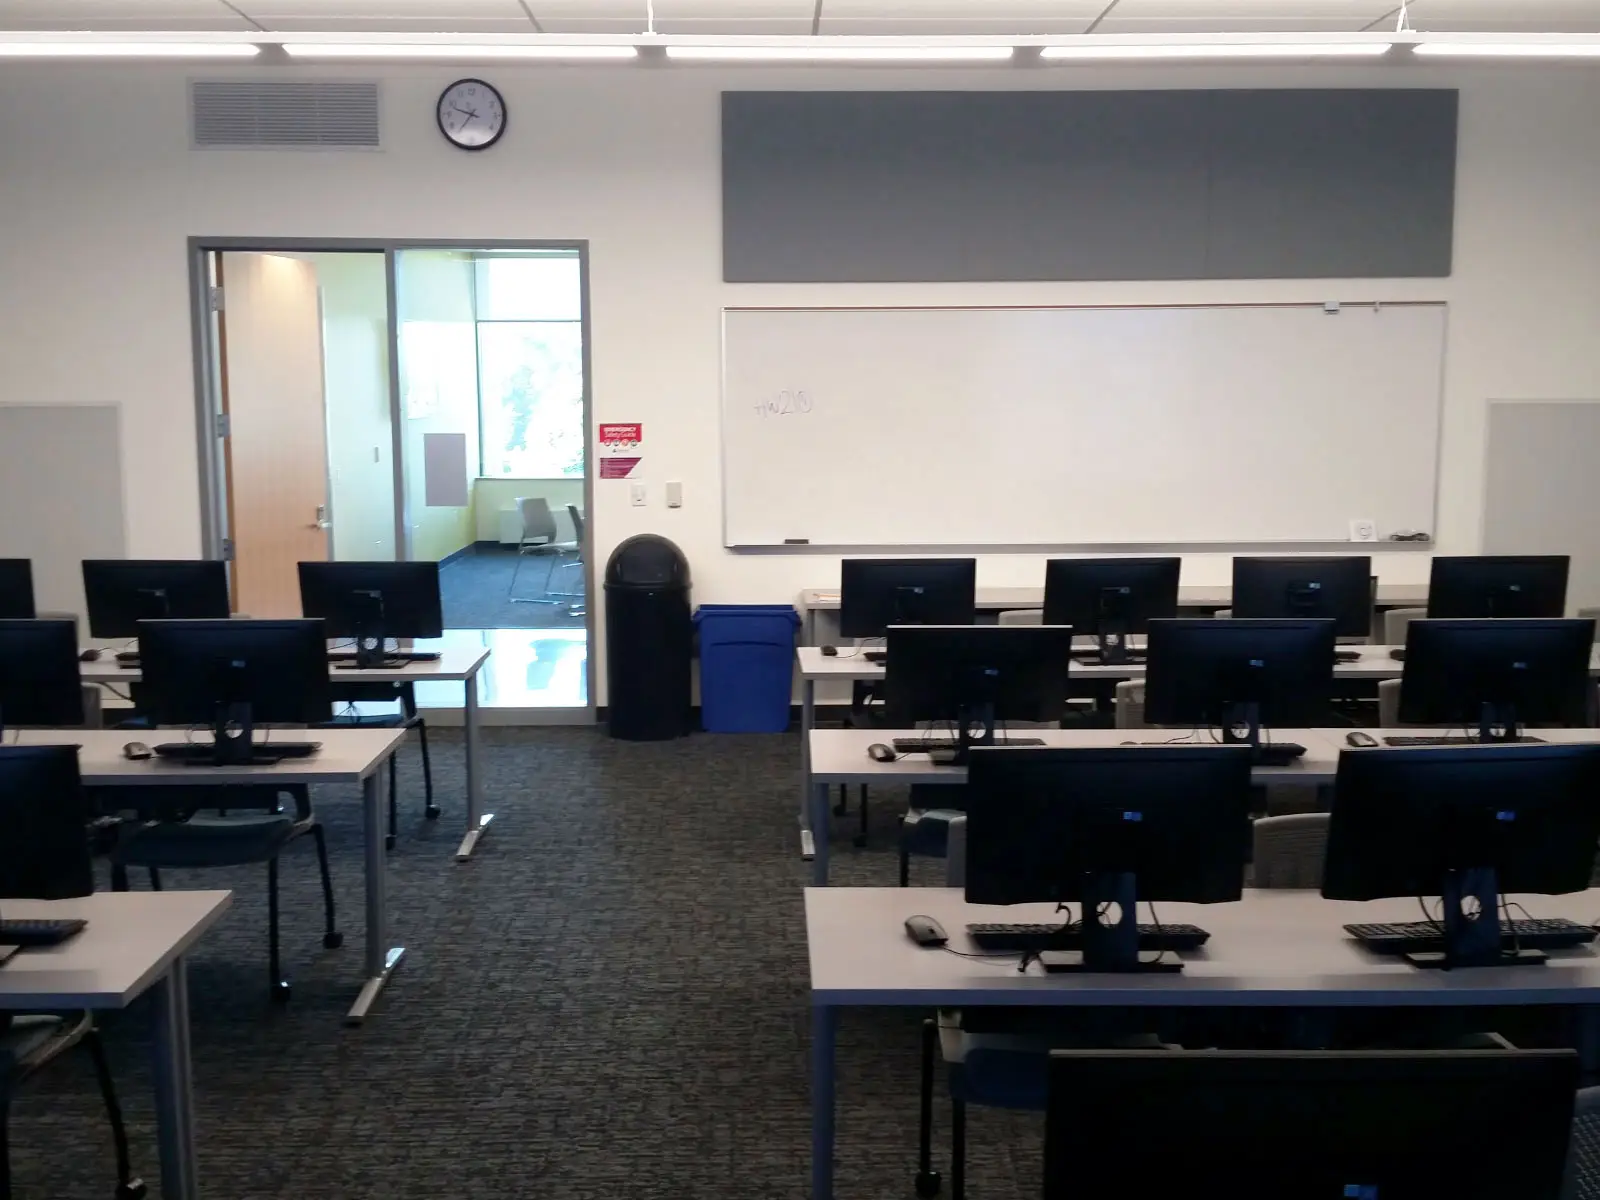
(636, 493)
(674, 495)
(1363, 529)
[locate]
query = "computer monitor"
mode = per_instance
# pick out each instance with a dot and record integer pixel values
(976, 677)
(1308, 1125)
(371, 601)
(122, 592)
(16, 589)
(39, 682)
(233, 675)
(44, 814)
(1497, 675)
(1336, 588)
(1109, 598)
(1239, 675)
(1464, 823)
(875, 593)
(1109, 826)
(1527, 585)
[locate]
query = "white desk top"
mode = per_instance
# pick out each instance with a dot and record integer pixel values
(131, 940)
(347, 756)
(455, 663)
(840, 755)
(1273, 948)
(1390, 595)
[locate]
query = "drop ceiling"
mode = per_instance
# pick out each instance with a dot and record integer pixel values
(800, 16)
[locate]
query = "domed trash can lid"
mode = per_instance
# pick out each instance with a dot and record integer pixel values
(647, 561)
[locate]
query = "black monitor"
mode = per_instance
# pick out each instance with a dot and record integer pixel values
(44, 814)
(1464, 823)
(1121, 825)
(1497, 675)
(1523, 585)
(975, 677)
(1239, 675)
(16, 589)
(371, 601)
(875, 593)
(122, 592)
(1336, 588)
(1309, 1125)
(39, 682)
(232, 675)
(1109, 598)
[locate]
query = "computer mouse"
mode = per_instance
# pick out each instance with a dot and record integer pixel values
(89, 655)
(925, 931)
(136, 751)
(1360, 740)
(830, 652)
(878, 752)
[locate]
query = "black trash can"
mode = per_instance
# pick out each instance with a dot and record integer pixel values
(649, 640)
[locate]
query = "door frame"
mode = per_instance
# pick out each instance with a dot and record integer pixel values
(208, 398)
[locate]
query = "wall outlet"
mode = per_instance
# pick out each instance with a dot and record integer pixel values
(674, 495)
(636, 494)
(1363, 529)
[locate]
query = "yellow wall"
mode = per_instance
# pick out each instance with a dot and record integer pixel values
(491, 495)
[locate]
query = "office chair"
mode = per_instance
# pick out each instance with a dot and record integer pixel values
(179, 838)
(29, 1043)
(1583, 1151)
(1289, 850)
(408, 718)
(1395, 622)
(574, 547)
(538, 536)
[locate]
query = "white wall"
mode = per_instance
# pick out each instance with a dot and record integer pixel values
(99, 191)
(355, 357)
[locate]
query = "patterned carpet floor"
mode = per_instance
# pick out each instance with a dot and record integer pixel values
(607, 1003)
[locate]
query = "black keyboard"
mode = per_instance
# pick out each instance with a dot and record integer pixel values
(28, 931)
(1023, 938)
(204, 754)
(1346, 656)
(1278, 754)
(1454, 740)
(875, 656)
(1424, 937)
(1093, 657)
(349, 656)
(925, 745)
(128, 658)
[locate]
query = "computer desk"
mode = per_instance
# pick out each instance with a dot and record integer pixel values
(1198, 598)
(1273, 949)
(347, 756)
(135, 942)
(455, 664)
(839, 756)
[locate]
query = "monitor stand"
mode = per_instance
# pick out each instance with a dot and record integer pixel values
(974, 727)
(369, 634)
(1241, 725)
(1108, 948)
(1111, 635)
(1469, 941)
(232, 734)
(1497, 723)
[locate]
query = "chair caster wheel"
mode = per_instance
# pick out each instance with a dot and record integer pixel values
(282, 992)
(134, 1189)
(928, 1183)
(332, 941)
(432, 812)
(388, 841)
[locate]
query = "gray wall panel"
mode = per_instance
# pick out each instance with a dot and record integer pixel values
(933, 186)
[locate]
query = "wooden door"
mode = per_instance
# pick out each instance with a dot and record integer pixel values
(276, 449)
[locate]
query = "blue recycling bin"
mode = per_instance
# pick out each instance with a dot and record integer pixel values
(746, 666)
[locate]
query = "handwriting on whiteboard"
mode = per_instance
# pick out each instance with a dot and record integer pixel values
(785, 404)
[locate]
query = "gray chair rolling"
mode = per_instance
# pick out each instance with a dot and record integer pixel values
(1583, 1151)
(1395, 622)
(183, 838)
(575, 548)
(1289, 850)
(538, 537)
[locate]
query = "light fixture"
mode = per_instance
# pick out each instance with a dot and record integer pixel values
(1092, 48)
(586, 51)
(131, 49)
(819, 51)
(1518, 49)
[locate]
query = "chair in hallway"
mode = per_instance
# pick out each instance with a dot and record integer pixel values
(538, 537)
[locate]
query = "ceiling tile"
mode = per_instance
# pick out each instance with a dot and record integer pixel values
(199, 15)
(974, 17)
(1523, 16)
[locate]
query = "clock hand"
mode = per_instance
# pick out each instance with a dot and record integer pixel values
(471, 113)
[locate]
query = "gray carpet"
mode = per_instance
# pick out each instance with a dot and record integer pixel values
(476, 590)
(608, 1003)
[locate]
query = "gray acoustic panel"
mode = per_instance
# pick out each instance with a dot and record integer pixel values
(949, 186)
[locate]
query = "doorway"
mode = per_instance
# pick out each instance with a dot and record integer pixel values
(416, 401)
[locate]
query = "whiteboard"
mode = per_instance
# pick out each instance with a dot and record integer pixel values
(1079, 426)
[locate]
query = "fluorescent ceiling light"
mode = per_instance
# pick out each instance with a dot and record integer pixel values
(456, 50)
(1508, 49)
(73, 49)
(1170, 50)
(855, 53)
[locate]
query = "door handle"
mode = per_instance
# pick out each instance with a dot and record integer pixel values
(322, 521)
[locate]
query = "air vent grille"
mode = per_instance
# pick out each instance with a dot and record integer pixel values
(303, 115)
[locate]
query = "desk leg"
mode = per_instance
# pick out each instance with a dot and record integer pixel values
(824, 1028)
(174, 1084)
(477, 819)
(381, 958)
(821, 814)
(808, 722)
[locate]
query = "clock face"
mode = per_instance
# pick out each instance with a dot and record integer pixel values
(471, 114)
